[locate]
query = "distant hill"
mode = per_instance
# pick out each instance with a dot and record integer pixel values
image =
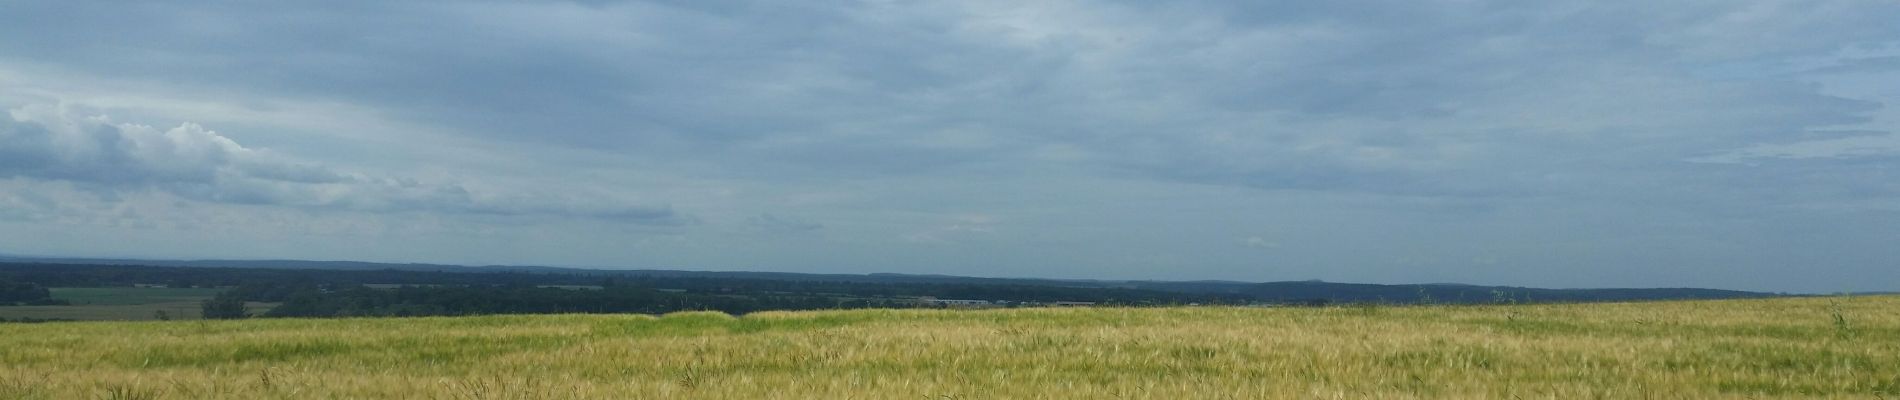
(273, 264)
(373, 266)
(1461, 293)
(1293, 291)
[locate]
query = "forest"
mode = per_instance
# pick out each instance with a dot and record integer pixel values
(390, 292)
(315, 292)
(12, 293)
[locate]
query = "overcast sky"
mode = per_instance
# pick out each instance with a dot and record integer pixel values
(1729, 144)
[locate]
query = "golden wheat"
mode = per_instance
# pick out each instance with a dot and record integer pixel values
(1803, 347)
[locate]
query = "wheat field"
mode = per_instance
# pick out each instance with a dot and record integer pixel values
(1833, 347)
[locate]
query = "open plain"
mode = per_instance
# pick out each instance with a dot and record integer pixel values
(1815, 347)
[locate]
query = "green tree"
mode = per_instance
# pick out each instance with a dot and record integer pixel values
(225, 306)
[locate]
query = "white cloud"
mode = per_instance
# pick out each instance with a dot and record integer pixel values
(60, 143)
(1259, 243)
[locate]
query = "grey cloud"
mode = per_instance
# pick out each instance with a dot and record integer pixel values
(50, 142)
(1302, 96)
(774, 223)
(26, 206)
(879, 118)
(761, 85)
(57, 143)
(1860, 66)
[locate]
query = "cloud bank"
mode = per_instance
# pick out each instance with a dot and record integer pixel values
(56, 143)
(1744, 144)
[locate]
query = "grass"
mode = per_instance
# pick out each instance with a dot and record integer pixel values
(1740, 349)
(123, 304)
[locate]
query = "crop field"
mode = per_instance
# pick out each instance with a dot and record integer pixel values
(122, 304)
(1835, 347)
(132, 295)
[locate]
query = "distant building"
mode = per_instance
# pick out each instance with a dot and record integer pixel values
(957, 302)
(954, 302)
(963, 303)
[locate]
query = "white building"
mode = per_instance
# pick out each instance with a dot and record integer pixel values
(954, 302)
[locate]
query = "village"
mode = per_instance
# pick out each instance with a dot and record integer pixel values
(964, 303)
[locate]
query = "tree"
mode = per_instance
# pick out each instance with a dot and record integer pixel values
(225, 306)
(11, 292)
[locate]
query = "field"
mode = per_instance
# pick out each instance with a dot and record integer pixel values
(1741, 349)
(122, 304)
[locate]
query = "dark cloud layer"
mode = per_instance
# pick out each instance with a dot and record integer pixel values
(1534, 136)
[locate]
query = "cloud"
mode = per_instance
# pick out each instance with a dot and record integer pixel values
(1257, 242)
(1104, 133)
(58, 143)
(957, 229)
(26, 207)
(1398, 98)
(51, 143)
(774, 223)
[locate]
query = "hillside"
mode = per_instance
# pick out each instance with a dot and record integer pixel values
(1789, 347)
(147, 271)
(1466, 294)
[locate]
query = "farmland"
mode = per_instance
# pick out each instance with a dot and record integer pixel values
(121, 304)
(1826, 347)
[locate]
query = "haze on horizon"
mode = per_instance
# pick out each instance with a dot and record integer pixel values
(1728, 144)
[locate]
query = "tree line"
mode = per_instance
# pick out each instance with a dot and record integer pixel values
(308, 301)
(80, 275)
(25, 293)
(331, 293)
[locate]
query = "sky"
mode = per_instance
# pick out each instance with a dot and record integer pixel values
(1726, 143)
